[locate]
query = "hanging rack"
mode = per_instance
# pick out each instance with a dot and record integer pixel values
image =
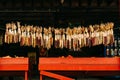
(116, 28)
(30, 11)
(2, 29)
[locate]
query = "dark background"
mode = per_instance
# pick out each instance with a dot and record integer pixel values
(54, 13)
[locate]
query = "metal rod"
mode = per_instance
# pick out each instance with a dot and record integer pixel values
(24, 11)
(2, 29)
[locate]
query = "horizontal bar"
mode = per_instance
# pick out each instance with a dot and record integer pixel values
(56, 76)
(24, 11)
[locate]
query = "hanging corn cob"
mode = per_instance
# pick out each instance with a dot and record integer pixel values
(96, 34)
(64, 38)
(67, 37)
(50, 38)
(60, 36)
(27, 38)
(79, 36)
(40, 37)
(37, 37)
(78, 46)
(44, 37)
(34, 37)
(57, 38)
(23, 35)
(10, 34)
(72, 39)
(107, 33)
(15, 34)
(87, 37)
(75, 39)
(104, 34)
(84, 36)
(101, 33)
(6, 38)
(18, 31)
(111, 33)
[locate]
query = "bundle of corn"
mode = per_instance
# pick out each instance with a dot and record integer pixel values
(71, 38)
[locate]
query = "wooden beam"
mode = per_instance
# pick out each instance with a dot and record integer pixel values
(53, 75)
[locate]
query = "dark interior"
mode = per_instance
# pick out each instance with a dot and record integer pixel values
(57, 13)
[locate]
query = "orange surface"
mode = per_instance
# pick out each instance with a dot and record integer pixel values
(13, 61)
(59, 77)
(96, 64)
(79, 64)
(14, 64)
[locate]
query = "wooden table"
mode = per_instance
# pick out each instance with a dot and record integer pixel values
(14, 65)
(92, 65)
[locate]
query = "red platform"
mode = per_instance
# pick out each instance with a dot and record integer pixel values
(90, 65)
(10, 65)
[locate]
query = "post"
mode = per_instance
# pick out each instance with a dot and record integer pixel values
(26, 75)
(40, 76)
